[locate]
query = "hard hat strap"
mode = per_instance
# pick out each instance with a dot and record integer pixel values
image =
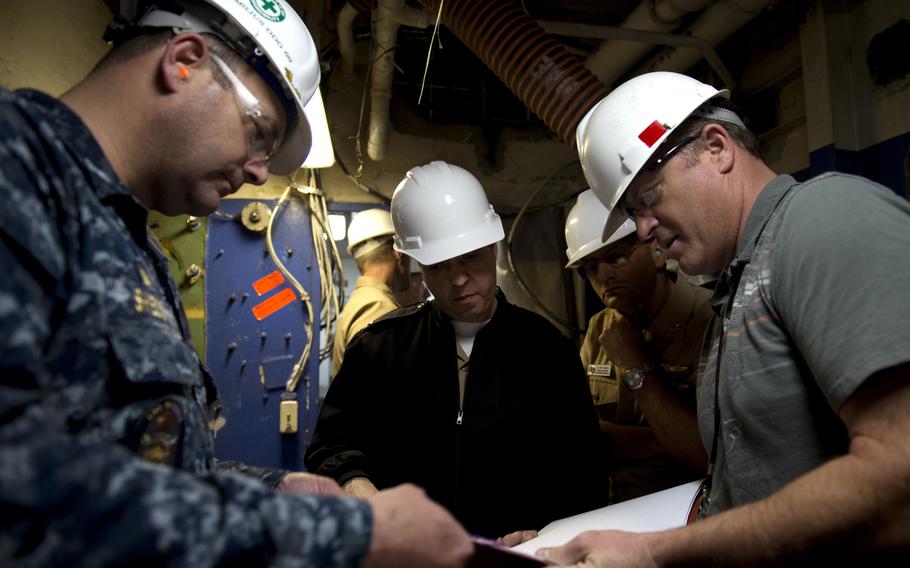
(719, 114)
(369, 245)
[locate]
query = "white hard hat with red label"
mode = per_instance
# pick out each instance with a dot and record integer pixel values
(618, 136)
(584, 228)
(269, 36)
(441, 211)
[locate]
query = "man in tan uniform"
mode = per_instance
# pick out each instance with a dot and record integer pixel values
(652, 315)
(383, 273)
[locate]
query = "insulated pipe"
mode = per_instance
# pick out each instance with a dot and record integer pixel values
(414, 17)
(552, 83)
(385, 36)
(345, 27)
(645, 37)
(613, 58)
(716, 24)
(387, 17)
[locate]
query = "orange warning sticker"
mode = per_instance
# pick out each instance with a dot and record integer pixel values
(273, 304)
(268, 283)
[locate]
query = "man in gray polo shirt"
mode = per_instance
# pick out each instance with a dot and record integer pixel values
(807, 423)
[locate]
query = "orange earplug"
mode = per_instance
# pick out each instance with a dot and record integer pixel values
(182, 71)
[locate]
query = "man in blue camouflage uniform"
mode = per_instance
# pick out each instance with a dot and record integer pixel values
(106, 453)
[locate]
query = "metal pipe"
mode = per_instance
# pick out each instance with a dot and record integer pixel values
(612, 59)
(414, 17)
(387, 17)
(715, 25)
(645, 37)
(385, 36)
(345, 27)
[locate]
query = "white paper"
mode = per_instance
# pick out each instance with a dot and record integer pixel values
(659, 511)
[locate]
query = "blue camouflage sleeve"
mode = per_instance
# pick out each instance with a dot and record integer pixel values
(70, 497)
(269, 475)
(72, 500)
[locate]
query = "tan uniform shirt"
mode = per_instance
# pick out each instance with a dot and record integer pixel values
(673, 339)
(371, 299)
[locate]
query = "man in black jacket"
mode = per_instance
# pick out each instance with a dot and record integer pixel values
(482, 403)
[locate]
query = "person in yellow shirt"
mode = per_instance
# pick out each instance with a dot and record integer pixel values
(384, 272)
(641, 353)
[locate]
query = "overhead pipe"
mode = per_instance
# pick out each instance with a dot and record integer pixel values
(387, 16)
(715, 24)
(647, 38)
(613, 58)
(385, 36)
(406, 16)
(345, 27)
(552, 83)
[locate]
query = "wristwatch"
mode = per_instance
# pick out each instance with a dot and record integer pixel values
(635, 377)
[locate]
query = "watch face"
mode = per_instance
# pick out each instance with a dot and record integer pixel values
(634, 378)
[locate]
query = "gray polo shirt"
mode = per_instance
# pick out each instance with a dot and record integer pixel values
(815, 302)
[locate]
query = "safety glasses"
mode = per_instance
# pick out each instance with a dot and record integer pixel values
(262, 130)
(637, 200)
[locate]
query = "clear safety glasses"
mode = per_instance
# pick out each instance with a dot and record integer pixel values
(640, 199)
(262, 129)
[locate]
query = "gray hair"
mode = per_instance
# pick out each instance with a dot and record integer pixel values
(715, 111)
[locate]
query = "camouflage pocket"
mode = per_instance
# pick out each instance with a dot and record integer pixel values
(153, 353)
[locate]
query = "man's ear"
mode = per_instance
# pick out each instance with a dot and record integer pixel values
(183, 57)
(720, 146)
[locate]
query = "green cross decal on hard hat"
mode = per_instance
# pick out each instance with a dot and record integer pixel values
(269, 9)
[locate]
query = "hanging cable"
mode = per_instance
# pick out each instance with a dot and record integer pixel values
(512, 266)
(300, 365)
(358, 150)
(328, 259)
(426, 67)
(357, 182)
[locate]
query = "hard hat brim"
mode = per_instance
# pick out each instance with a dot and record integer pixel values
(435, 253)
(587, 249)
(295, 149)
(614, 221)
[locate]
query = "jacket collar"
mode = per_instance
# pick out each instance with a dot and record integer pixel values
(502, 308)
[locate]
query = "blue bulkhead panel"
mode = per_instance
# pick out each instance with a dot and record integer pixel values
(252, 358)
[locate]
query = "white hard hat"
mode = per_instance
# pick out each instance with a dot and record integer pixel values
(366, 225)
(272, 39)
(584, 228)
(440, 211)
(618, 136)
